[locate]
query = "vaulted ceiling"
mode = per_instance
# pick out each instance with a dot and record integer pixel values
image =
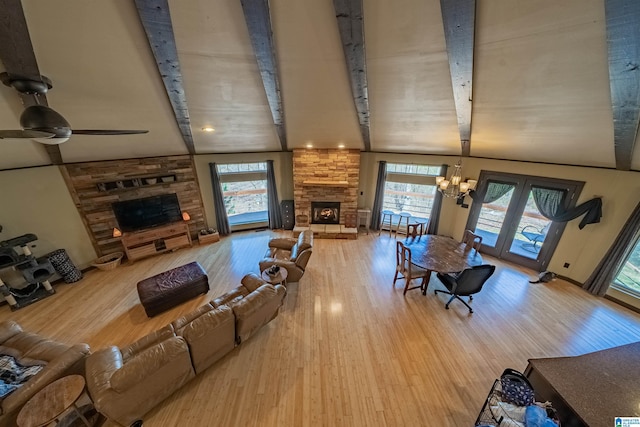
(517, 79)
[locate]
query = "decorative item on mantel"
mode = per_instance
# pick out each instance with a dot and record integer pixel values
(208, 235)
(454, 186)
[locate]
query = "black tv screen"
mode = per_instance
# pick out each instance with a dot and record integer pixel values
(138, 214)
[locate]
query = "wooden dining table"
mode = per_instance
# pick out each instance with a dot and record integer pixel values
(441, 254)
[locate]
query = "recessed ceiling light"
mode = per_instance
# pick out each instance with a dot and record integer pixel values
(309, 145)
(208, 129)
(340, 145)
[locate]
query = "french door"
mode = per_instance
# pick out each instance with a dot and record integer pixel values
(505, 214)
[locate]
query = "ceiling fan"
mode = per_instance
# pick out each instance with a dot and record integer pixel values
(43, 123)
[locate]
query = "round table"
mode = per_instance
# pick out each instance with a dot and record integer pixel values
(441, 254)
(52, 401)
(281, 277)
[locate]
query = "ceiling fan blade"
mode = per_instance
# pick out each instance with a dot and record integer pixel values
(5, 134)
(107, 132)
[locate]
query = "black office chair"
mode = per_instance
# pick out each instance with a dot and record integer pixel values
(465, 283)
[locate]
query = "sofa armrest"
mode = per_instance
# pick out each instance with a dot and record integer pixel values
(57, 368)
(282, 243)
(147, 341)
(252, 281)
(8, 329)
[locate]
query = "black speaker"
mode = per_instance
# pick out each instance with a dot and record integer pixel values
(288, 214)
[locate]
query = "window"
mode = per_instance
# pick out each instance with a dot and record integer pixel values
(244, 188)
(628, 278)
(410, 188)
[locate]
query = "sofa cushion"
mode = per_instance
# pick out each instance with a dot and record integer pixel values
(144, 365)
(13, 374)
(257, 309)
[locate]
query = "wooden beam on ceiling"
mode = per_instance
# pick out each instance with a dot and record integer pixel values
(623, 39)
(156, 20)
(459, 18)
(350, 16)
(258, 18)
(19, 59)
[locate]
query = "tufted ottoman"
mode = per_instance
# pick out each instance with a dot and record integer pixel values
(166, 290)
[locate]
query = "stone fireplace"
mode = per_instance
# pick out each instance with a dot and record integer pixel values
(325, 212)
(326, 176)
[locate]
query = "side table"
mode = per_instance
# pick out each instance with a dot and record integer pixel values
(50, 403)
(281, 277)
(364, 215)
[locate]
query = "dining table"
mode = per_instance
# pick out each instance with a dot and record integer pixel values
(441, 254)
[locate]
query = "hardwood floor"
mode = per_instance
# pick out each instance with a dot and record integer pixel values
(347, 348)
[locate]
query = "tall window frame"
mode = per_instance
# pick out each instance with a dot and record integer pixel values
(410, 188)
(244, 189)
(627, 279)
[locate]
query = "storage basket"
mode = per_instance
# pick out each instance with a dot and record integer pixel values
(109, 261)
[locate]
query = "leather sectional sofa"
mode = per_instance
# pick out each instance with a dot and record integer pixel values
(126, 383)
(31, 349)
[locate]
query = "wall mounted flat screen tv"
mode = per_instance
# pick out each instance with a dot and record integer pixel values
(138, 214)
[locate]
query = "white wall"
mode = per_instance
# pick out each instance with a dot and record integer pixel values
(36, 200)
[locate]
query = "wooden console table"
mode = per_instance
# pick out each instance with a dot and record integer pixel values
(156, 240)
(591, 389)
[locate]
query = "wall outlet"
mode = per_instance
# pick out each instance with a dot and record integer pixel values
(566, 265)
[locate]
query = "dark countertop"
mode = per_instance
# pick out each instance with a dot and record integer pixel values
(598, 386)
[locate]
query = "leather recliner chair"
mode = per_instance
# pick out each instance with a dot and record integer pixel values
(32, 349)
(291, 254)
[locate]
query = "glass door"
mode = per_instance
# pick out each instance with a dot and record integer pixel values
(505, 213)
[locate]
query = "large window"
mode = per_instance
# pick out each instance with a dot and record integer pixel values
(628, 278)
(244, 188)
(410, 188)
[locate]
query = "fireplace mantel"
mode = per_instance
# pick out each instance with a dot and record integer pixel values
(314, 183)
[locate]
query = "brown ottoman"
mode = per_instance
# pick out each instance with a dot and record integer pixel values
(166, 290)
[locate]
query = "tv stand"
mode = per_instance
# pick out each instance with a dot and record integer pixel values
(157, 240)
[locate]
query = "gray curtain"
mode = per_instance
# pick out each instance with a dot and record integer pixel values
(222, 221)
(434, 219)
(495, 190)
(377, 201)
(275, 215)
(550, 203)
(602, 276)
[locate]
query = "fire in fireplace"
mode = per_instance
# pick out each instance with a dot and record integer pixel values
(325, 212)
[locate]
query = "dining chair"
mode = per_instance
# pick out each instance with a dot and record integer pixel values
(466, 283)
(416, 228)
(472, 240)
(408, 271)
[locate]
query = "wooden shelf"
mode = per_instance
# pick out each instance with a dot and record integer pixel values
(320, 183)
(133, 183)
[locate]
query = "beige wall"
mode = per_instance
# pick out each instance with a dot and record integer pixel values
(282, 165)
(37, 201)
(582, 249)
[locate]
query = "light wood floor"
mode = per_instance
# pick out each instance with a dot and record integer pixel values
(347, 348)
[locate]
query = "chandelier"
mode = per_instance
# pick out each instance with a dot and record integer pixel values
(454, 186)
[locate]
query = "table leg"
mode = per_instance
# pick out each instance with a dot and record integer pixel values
(81, 415)
(426, 282)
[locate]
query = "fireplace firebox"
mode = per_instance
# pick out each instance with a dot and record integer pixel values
(325, 212)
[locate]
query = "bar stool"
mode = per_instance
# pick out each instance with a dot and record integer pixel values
(403, 216)
(386, 214)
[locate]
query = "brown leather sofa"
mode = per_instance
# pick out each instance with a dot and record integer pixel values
(127, 383)
(32, 349)
(292, 254)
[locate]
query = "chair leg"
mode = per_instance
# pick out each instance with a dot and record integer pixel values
(468, 306)
(395, 278)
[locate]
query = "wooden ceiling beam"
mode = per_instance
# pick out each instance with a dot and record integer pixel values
(156, 20)
(258, 18)
(459, 19)
(350, 16)
(623, 40)
(19, 59)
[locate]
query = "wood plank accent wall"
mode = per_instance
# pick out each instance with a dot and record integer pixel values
(326, 175)
(95, 206)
